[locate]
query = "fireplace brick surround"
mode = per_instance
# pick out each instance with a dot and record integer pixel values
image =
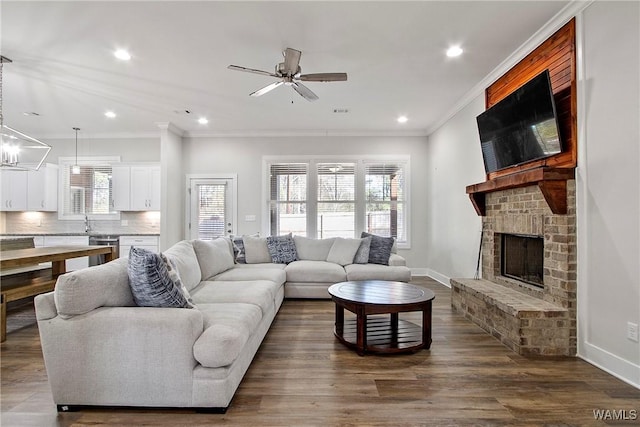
(528, 319)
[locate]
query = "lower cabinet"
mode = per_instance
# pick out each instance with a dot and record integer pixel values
(146, 242)
(73, 263)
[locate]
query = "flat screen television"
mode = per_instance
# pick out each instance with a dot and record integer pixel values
(521, 127)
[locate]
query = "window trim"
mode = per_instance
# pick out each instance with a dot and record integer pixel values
(63, 163)
(312, 187)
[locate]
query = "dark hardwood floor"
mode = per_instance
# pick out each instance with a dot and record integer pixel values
(303, 376)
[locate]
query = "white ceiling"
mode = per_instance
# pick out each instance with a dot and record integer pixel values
(394, 53)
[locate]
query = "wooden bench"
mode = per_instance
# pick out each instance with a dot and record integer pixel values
(527, 325)
(23, 283)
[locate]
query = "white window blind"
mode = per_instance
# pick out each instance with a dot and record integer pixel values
(288, 198)
(86, 193)
(211, 210)
(385, 199)
(336, 199)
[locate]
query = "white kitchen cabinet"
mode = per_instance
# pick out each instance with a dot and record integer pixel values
(14, 190)
(147, 242)
(42, 188)
(145, 188)
(121, 187)
(73, 263)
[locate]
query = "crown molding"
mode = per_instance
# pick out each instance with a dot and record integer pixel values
(169, 126)
(554, 24)
(115, 135)
(304, 133)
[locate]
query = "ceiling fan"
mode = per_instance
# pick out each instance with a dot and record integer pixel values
(289, 73)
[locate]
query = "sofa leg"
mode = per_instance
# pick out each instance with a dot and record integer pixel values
(212, 410)
(68, 408)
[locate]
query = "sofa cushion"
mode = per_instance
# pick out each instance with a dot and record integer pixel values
(150, 282)
(377, 272)
(282, 249)
(258, 292)
(238, 250)
(315, 272)
(184, 258)
(343, 251)
(214, 256)
(219, 345)
(243, 274)
(105, 285)
(228, 326)
(362, 255)
(380, 248)
(396, 260)
(256, 250)
(312, 249)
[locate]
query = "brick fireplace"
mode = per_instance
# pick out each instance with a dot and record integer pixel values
(530, 318)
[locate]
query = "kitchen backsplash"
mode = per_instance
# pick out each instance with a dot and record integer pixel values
(47, 223)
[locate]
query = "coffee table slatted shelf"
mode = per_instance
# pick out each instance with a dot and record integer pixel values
(380, 334)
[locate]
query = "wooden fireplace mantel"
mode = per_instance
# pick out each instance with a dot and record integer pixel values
(551, 181)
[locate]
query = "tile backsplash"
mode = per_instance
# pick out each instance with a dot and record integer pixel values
(48, 223)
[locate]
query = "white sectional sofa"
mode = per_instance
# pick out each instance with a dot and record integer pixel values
(101, 349)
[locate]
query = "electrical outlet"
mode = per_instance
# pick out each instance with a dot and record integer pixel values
(632, 331)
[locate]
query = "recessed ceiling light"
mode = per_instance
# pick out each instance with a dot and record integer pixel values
(122, 54)
(110, 114)
(454, 51)
(403, 119)
(30, 113)
(203, 120)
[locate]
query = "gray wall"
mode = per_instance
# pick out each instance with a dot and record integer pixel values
(243, 156)
(608, 183)
(609, 188)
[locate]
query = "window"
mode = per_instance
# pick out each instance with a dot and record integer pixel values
(288, 196)
(336, 199)
(385, 200)
(324, 198)
(89, 192)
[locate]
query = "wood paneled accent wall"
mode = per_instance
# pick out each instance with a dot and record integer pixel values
(558, 54)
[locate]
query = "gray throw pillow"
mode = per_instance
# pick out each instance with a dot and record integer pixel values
(362, 255)
(380, 249)
(150, 282)
(282, 249)
(238, 250)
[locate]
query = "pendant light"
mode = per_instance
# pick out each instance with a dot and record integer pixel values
(18, 150)
(75, 169)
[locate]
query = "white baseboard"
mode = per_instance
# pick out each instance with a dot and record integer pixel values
(439, 277)
(420, 272)
(610, 363)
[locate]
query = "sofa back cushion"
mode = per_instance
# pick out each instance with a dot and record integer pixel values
(343, 251)
(105, 285)
(256, 250)
(185, 260)
(312, 249)
(214, 256)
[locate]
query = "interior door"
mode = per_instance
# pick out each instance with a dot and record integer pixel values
(211, 208)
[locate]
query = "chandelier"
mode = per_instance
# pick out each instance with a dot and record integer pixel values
(18, 150)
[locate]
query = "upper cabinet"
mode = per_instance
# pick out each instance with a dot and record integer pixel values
(121, 182)
(145, 188)
(14, 190)
(42, 188)
(136, 187)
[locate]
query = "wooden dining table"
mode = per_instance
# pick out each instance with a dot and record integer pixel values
(26, 284)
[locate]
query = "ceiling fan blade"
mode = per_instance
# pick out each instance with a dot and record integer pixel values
(266, 89)
(304, 91)
(291, 61)
(251, 70)
(323, 77)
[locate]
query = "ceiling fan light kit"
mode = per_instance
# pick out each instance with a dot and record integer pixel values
(289, 73)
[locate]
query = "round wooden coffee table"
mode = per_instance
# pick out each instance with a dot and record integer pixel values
(381, 334)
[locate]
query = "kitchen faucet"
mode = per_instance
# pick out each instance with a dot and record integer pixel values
(87, 228)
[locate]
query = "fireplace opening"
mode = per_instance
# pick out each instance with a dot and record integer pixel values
(522, 258)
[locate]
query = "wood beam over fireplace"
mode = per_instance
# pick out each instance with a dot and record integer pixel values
(551, 181)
